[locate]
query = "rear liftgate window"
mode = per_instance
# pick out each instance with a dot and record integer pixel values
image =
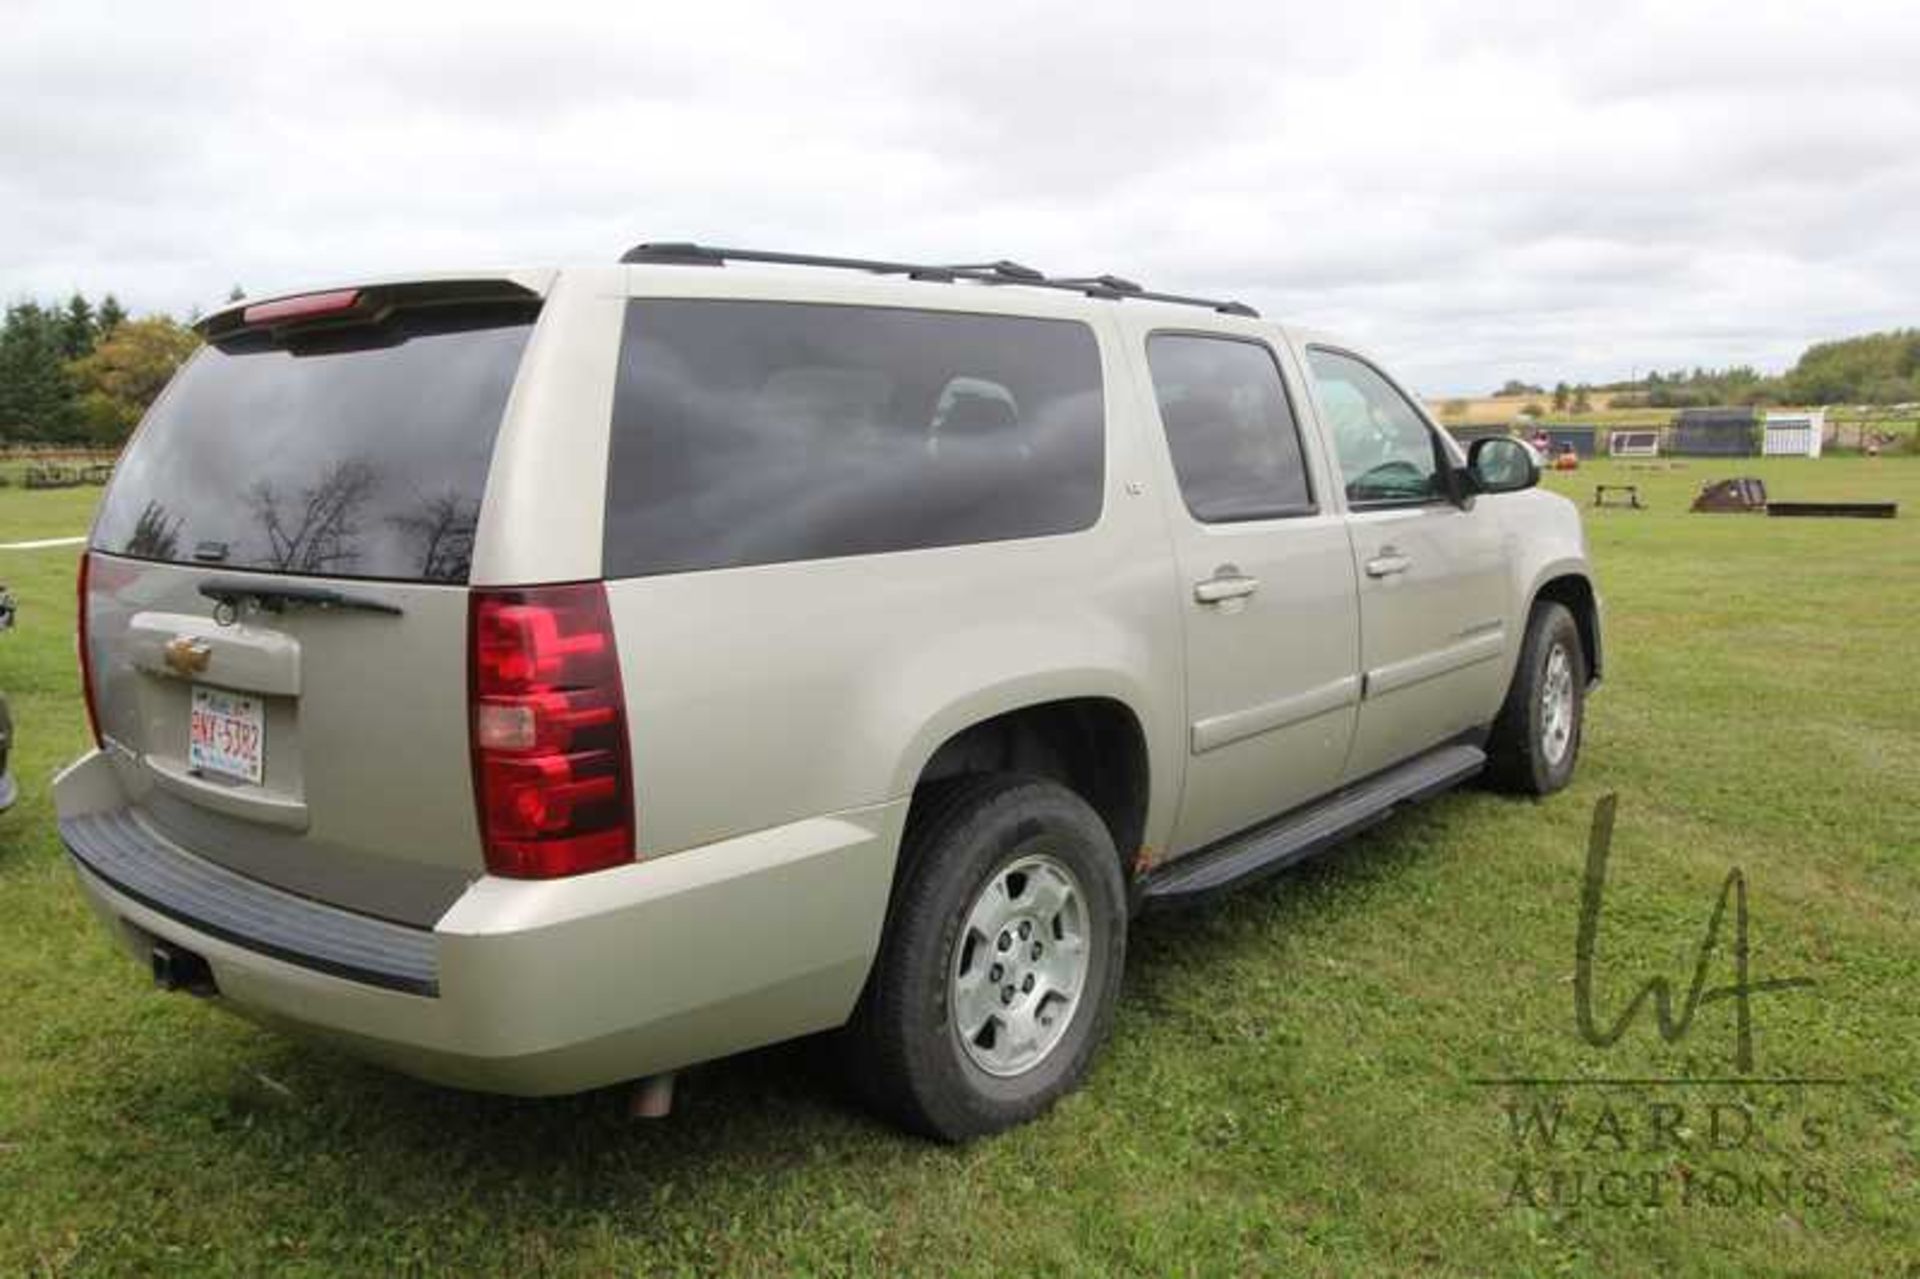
(355, 452)
(756, 433)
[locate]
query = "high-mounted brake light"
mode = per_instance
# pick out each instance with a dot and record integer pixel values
(83, 625)
(550, 762)
(305, 306)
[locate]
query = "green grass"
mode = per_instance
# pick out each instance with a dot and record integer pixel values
(1289, 1086)
(29, 515)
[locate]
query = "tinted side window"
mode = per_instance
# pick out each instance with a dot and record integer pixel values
(1235, 444)
(350, 453)
(762, 432)
(1387, 454)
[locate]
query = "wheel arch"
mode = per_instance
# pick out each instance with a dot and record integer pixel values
(1095, 742)
(1572, 587)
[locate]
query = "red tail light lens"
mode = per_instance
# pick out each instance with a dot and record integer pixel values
(84, 606)
(550, 765)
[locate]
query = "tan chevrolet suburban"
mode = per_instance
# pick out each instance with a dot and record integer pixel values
(545, 679)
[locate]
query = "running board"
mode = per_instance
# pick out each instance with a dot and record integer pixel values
(1275, 845)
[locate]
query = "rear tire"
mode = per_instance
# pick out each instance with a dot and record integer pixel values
(997, 978)
(1536, 738)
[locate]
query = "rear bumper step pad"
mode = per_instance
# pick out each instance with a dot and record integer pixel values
(123, 854)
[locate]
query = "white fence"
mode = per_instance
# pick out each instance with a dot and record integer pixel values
(1633, 444)
(1794, 434)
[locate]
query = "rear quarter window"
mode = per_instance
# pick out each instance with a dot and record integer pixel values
(766, 432)
(1230, 427)
(359, 453)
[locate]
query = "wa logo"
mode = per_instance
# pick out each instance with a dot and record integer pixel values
(1672, 1016)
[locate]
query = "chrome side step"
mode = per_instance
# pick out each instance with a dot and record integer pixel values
(1273, 846)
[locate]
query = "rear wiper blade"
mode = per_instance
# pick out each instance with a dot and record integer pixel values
(275, 599)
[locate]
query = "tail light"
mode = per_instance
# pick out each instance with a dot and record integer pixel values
(305, 306)
(550, 763)
(84, 607)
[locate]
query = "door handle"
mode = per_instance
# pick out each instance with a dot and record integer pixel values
(1218, 589)
(1388, 563)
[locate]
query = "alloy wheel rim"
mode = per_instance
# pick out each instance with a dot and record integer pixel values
(1019, 965)
(1556, 706)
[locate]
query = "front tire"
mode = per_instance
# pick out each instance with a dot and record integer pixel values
(1536, 739)
(997, 978)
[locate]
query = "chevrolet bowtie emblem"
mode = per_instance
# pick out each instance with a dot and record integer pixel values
(188, 656)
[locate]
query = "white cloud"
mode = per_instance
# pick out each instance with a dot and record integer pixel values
(1479, 190)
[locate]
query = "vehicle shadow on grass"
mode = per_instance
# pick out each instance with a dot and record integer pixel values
(770, 1116)
(1169, 949)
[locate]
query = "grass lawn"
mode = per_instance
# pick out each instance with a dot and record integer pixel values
(1295, 1083)
(30, 515)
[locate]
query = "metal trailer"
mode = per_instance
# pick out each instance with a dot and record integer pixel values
(1731, 432)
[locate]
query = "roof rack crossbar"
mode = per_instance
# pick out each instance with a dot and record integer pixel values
(1113, 287)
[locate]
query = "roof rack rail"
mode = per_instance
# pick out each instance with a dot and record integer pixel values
(1114, 282)
(1113, 287)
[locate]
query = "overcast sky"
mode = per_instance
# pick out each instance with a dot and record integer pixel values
(1475, 190)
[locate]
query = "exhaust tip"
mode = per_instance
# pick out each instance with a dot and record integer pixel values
(652, 1097)
(175, 969)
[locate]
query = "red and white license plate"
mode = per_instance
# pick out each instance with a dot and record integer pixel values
(227, 735)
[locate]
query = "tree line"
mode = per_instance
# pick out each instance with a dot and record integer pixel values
(1876, 368)
(81, 373)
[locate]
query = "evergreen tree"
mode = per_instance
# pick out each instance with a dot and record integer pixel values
(112, 314)
(77, 332)
(36, 399)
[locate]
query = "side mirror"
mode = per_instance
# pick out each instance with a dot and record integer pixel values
(1502, 464)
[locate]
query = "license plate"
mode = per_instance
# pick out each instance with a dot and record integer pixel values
(227, 735)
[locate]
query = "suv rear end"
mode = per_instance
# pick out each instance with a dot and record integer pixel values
(363, 756)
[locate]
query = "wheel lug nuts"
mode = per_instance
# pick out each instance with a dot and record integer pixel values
(1006, 994)
(1006, 941)
(1026, 984)
(1037, 948)
(994, 973)
(1026, 930)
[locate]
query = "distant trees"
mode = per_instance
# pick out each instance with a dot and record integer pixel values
(1875, 368)
(78, 328)
(1880, 368)
(1698, 388)
(78, 373)
(125, 372)
(36, 395)
(112, 315)
(81, 372)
